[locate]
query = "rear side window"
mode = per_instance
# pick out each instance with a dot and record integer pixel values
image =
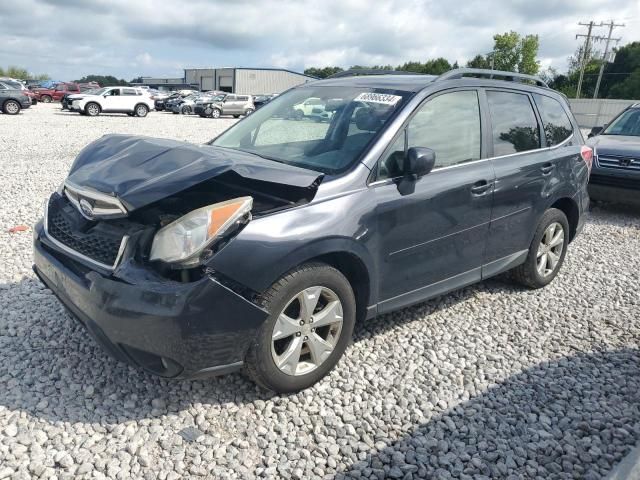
(243, 99)
(555, 121)
(129, 91)
(514, 125)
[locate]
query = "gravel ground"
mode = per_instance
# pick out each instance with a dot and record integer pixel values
(491, 381)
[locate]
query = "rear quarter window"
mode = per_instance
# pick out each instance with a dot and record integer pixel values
(556, 123)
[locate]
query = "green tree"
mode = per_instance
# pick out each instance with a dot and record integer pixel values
(103, 80)
(479, 61)
(528, 63)
(322, 72)
(506, 51)
(620, 79)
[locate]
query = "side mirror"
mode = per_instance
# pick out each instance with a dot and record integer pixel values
(595, 131)
(418, 162)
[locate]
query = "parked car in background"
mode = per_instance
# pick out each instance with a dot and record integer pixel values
(12, 98)
(188, 104)
(261, 249)
(48, 95)
(85, 88)
(616, 172)
(19, 85)
(227, 104)
(261, 100)
(67, 100)
(129, 100)
(311, 108)
(175, 98)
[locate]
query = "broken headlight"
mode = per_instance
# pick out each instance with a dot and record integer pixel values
(184, 240)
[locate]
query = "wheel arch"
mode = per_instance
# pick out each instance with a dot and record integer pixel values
(569, 207)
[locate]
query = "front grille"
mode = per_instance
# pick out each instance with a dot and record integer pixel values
(67, 226)
(620, 162)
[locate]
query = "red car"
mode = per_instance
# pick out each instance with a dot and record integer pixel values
(48, 95)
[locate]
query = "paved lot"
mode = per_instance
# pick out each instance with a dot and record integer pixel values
(491, 381)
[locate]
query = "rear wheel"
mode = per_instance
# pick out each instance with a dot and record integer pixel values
(547, 251)
(249, 111)
(141, 110)
(11, 107)
(92, 109)
(312, 315)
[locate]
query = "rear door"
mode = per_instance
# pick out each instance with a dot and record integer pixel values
(526, 174)
(129, 98)
(230, 105)
(433, 239)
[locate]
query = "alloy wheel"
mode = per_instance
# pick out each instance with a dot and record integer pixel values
(307, 331)
(12, 107)
(550, 249)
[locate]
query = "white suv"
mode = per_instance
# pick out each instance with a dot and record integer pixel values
(129, 100)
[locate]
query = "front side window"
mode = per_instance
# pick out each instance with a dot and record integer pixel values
(556, 123)
(329, 137)
(626, 124)
(449, 124)
(514, 125)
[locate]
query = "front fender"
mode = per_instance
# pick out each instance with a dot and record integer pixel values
(270, 246)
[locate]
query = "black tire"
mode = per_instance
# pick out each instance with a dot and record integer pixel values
(92, 109)
(236, 116)
(141, 110)
(527, 274)
(46, 98)
(259, 364)
(216, 113)
(186, 110)
(11, 107)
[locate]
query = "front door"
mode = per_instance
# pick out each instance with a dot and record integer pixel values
(433, 239)
(112, 100)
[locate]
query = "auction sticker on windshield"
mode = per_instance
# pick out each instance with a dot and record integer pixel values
(382, 98)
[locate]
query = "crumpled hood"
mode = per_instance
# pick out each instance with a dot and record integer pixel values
(142, 170)
(616, 144)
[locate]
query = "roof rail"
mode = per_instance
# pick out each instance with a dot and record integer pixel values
(481, 72)
(354, 72)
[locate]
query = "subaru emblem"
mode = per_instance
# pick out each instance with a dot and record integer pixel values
(86, 209)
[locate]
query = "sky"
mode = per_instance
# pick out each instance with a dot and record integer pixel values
(129, 38)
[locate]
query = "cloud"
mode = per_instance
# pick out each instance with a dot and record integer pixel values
(71, 38)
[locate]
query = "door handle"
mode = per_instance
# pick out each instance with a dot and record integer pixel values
(481, 187)
(547, 168)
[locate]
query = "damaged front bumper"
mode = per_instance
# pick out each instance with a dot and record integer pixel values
(168, 328)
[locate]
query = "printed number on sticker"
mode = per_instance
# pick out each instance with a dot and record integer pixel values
(383, 98)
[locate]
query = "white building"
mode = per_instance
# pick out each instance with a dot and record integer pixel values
(250, 81)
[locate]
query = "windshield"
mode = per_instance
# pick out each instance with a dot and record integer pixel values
(626, 124)
(319, 128)
(100, 91)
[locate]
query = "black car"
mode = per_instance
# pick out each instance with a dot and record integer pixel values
(12, 99)
(262, 100)
(262, 248)
(616, 171)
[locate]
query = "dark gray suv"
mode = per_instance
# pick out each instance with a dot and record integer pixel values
(263, 248)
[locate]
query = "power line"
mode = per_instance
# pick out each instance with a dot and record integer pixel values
(611, 26)
(585, 52)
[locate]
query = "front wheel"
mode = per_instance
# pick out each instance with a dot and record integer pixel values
(249, 111)
(46, 98)
(141, 110)
(11, 107)
(215, 113)
(312, 315)
(547, 251)
(92, 109)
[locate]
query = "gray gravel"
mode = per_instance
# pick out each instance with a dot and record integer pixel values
(491, 381)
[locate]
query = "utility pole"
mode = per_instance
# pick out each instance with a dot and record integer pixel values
(585, 51)
(611, 26)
